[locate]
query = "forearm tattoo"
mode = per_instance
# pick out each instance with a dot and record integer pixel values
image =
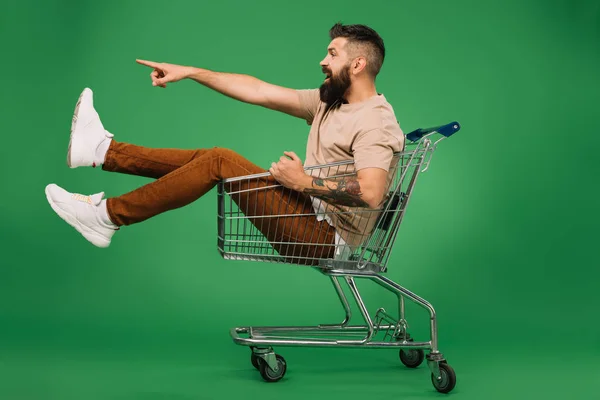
(342, 191)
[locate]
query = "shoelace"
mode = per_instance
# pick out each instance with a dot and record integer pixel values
(80, 197)
(92, 201)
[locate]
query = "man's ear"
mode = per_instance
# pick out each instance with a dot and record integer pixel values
(359, 64)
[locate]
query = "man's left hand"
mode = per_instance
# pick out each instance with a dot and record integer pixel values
(289, 171)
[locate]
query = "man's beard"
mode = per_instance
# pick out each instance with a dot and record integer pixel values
(334, 89)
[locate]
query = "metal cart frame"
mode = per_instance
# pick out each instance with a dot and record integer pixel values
(367, 261)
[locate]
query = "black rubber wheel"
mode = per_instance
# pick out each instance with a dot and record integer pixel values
(254, 360)
(268, 374)
(412, 358)
(448, 381)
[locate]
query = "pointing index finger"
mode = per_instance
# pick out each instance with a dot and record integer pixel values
(148, 63)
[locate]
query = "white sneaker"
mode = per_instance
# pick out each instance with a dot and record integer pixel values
(83, 213)
(89, 140)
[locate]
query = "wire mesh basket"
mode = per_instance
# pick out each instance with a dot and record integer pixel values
(254, 218)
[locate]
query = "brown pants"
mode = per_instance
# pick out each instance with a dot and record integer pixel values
(183, 176)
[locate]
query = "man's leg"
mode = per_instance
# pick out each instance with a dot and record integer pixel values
(303, 230)
(182, 177)
(207, 167)
(91, 145)
(201, 171)
(175, 189)
(145, 161)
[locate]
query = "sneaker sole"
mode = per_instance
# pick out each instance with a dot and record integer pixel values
(73, 124)
(87, 233)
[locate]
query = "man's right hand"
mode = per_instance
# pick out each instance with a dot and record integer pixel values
(164, 73)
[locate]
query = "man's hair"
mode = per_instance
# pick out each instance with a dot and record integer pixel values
(364, 41)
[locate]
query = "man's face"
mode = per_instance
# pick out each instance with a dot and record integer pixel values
(336, 67)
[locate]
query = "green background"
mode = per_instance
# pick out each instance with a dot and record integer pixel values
(501, 234)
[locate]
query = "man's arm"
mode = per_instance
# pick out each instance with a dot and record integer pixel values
(245, 88)
(366, 189)
(249, 89)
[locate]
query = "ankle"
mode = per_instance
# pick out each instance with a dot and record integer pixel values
(104, 215)
(103, 149)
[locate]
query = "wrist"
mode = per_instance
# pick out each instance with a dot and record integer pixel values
(303, 183)
(190, 72)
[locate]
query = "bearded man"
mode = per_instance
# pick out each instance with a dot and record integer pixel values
(349, 120)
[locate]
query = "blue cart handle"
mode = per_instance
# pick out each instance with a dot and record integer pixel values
(445, 130)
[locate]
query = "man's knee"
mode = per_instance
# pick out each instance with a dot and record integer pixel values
(222, 152)
(229, 163)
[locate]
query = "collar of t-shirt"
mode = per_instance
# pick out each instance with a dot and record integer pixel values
(347, 106)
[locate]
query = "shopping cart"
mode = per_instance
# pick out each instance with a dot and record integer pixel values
(352, 255)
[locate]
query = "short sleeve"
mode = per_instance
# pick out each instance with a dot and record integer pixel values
(309, 102)
(375, 149)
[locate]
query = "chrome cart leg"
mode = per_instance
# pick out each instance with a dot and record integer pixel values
(402, 292)
(344, 301)
(362, 307)
(402, 329)
(401, 306)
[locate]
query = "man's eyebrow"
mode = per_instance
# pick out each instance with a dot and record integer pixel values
(330, 49)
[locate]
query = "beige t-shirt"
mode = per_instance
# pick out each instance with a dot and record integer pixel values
(366, 132)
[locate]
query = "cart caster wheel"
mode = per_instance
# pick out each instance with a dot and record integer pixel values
(254, 360)
(448, 381)
(268, 374)
(412, 358)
